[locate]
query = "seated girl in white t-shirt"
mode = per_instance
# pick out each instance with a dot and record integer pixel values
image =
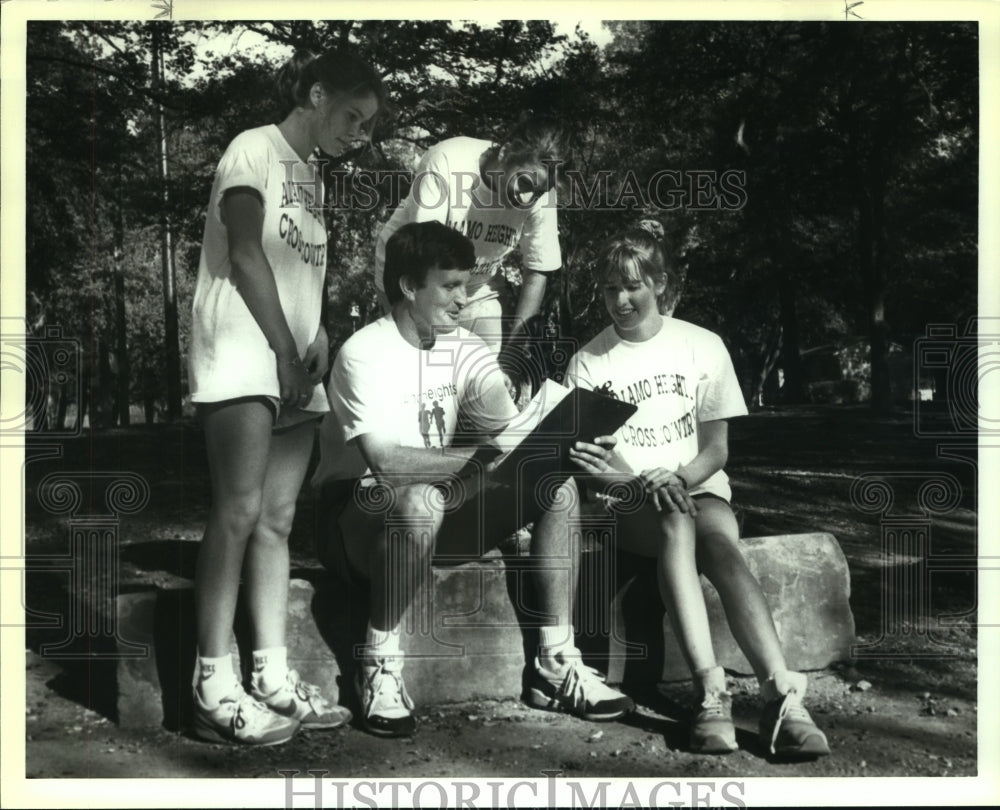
(673, 449)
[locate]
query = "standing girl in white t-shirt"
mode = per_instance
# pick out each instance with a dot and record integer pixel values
(258, 352)
(682, 380)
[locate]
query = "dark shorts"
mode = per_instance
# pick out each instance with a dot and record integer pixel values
(478, 517)
(282, 418)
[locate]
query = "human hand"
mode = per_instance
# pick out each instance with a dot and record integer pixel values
(294, 383)
(317, 359)
(667, 491)
(594, 457)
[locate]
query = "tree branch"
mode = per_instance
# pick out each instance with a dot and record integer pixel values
(145, 91)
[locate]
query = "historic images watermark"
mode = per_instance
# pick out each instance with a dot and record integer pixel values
(550, 792)
(664, 190)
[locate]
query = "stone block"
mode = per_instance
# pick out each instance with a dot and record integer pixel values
(463, 641)
(475, 630)
(156, 689)
(804, 578)
(468, 641)
(138, 683)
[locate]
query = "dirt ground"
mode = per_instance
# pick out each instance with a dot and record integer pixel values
(902, 714)
(876, 730)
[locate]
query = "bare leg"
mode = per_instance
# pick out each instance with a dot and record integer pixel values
(552, 546)
(265, 567)
(395, 558)
(238, 438)
(670, 537)
(747, 610)
(395, 555)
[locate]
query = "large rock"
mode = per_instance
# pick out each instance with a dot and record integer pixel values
(804, 578)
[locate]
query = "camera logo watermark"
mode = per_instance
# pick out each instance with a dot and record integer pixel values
(953, 370)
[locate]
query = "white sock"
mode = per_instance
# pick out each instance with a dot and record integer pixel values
(215, 678)
(270, 668)
(555, 644)
(382, 643)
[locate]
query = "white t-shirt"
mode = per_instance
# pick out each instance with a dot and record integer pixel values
(229, 356)
(448, 188)
(678, 378)
(381, 384)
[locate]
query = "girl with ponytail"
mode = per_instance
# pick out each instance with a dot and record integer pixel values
(257, 355)
(674, 449)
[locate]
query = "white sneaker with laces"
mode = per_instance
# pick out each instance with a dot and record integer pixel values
(241, 719)
(577, 689)
(387, 710)
(712, 730)
(786, 728)
(301, 700)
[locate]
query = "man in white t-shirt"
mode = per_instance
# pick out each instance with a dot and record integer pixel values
(392, 504)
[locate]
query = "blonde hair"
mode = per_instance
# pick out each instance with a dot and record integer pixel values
(640, 253)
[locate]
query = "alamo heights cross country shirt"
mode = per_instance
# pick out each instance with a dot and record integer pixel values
(381, 384)
(448, 188)
(678, 378)
(229, 356)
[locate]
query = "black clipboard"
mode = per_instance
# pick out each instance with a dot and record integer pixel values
(582, 415)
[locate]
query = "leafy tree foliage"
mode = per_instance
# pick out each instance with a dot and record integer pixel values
(857, 147)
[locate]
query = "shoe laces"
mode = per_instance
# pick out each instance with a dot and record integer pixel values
(387, 687)
(249, 712)
(791, 708)
(305, 691)
(579, 679)
(712, 705)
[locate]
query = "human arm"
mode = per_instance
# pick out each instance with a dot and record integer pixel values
(243, 215)
(669, 488)
(540, 254)
(317, 357)
(398, 465)
(529, 303)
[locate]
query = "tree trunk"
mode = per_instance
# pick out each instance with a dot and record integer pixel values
(768, 359)
(124, 367)
(106, 413)
(564, 315)
(871, 241)
(61, 404)
(793, 391)
(171, 330)
(148, 395)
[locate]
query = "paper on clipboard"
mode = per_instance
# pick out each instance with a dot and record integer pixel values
(542, 403)
(555, 418)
